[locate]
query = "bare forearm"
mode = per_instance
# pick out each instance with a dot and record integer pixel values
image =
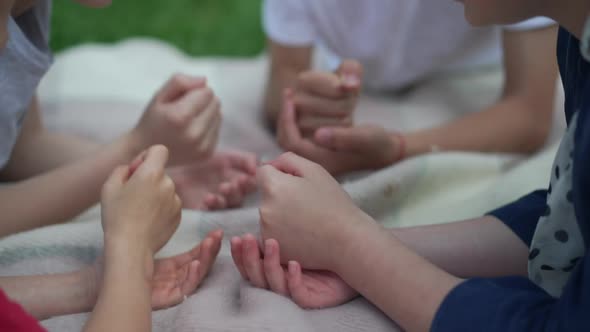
(63, 193)
(286, 64)
(46, 296)
(520, 121)
(405, 286)
(38, 150)
(482, 247)
(124, 302)
(501, 128)
(45, 152)
(274, 93)
(415, 268)
(280, 79)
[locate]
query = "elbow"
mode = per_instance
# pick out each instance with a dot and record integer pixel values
(536, 138)
(536, 131)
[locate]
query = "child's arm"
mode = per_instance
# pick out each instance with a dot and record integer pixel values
(503, 298)
(411, 283)
(140, 211)
(50, 295)
(38, 150)
(57, 194)
(466, 249)
(422, 297)
(60, 194)
(518, 123)
(46, 296)
(184, 115)
(286, 63)
(521, 119)
(482, 247)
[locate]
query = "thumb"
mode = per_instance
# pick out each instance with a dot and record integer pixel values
(116, 180)
(288, 165)
(351, 75)
(137, 162)
(155, 160)
(295, 165)
(289, 134)
(178, 85)
(266, 176)
(352, 139)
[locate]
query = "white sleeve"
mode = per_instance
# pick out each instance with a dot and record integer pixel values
(531, 24)
(288, 22)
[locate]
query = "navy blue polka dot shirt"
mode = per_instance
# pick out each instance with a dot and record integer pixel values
(511, 304)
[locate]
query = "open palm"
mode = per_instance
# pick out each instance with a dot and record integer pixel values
(317, 289)
(179, 276)
(307, 288)
(175, 278)
(222, 181)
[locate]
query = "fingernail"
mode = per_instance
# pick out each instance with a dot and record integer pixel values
(292, 267)
(324, 135)
(290, 106)
(350, 80)
(208, 242)
(267, 247)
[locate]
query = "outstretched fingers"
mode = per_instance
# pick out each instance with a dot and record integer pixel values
(275, 273)
(253, 263)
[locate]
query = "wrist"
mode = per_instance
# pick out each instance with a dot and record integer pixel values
(132, 144)
(351, 242)
(370, 247)
(418, 143)
(399, 144)
(129, 254)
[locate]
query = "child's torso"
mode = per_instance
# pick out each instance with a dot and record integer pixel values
(563, 233)
(400, 41)
(23, 63)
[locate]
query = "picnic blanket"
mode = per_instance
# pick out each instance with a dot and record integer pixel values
(100, 91)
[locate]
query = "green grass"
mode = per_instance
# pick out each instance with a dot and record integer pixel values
(199, 27)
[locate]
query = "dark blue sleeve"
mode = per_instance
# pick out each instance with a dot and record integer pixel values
(515, 304)
(523, 215)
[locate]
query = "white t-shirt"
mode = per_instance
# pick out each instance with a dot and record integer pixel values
(397, 41)
(23, 63)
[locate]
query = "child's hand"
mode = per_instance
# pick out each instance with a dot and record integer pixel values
(185, 116)
(180, 276)
(373, 146)
(308, 289)
(307, 212)
(220, 182)
(340, 150)
(141, 208)
(173, 278)
(327, 99)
